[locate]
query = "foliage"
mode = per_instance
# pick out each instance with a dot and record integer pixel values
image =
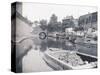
(43, 24)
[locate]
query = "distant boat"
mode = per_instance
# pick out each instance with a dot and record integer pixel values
(64, 60)
(86, 45)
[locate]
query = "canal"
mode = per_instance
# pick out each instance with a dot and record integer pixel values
(33, 61)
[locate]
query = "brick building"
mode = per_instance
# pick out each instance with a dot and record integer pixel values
(88, 21)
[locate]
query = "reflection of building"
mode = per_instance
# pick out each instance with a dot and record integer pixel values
(88, 21)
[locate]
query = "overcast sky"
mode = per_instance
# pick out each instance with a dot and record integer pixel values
(38, 11)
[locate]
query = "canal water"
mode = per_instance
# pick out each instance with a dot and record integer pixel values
(33, 61)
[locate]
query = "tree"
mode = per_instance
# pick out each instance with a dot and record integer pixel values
(53, 19)
(36, 23)
(43, 24)
(53, 23)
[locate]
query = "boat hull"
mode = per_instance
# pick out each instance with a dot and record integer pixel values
(57, 64)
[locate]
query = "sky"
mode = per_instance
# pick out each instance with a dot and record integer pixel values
(38, 11)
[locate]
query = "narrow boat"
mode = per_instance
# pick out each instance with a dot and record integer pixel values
(65, 59)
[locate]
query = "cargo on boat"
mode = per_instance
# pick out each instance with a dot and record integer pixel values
(66, 60)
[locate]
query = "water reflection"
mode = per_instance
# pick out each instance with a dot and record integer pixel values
(64, 44)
